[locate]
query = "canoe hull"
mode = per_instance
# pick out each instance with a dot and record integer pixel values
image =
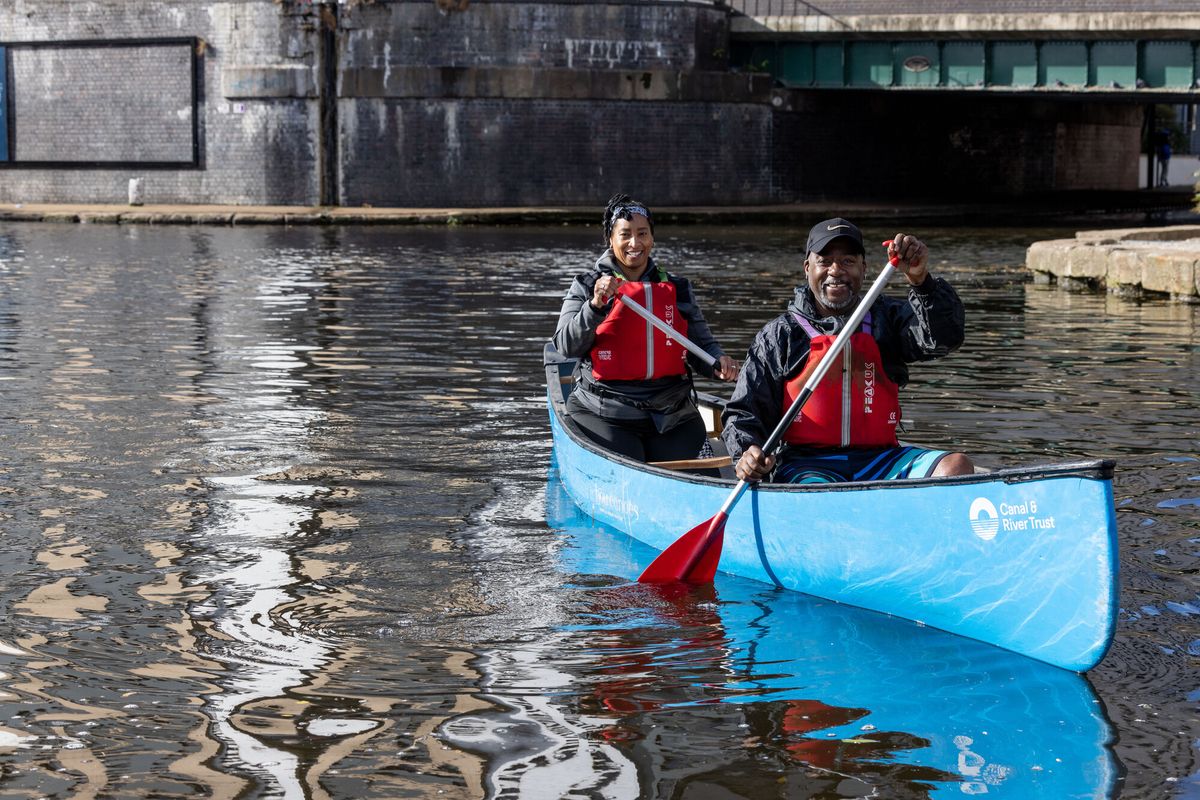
(1023, 559)
(834, 672)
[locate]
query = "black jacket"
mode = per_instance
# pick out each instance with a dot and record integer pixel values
(666, 400)
(928, 326)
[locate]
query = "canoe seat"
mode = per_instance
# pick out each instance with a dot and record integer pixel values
(720, 460)
(694, 463)
(566, 384)
(711, 414)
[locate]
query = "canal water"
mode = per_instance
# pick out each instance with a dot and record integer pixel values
(280, 518)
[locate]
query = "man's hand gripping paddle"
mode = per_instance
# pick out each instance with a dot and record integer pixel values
(694, 556)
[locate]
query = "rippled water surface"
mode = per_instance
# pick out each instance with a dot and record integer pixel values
(280, 519)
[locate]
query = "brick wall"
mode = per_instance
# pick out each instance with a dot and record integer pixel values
(113, 104)
(103, 103)
(482, 152)
(258, 110)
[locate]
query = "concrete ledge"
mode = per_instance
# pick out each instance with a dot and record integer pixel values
(1044, 257)
(1169, 233)
(1130, 261)
(1171, 273)
(554, 84)
(255, 218)
(100, 216)
(1017, 25)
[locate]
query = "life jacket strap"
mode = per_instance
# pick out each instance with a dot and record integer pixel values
(813, 333)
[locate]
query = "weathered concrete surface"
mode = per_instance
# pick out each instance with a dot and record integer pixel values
(679, 36)
(1136, 261)
(398, 103)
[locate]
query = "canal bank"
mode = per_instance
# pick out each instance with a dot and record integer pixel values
(1162, 261)
(1088, 208)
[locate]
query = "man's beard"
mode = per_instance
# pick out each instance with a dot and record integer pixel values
(838, 305)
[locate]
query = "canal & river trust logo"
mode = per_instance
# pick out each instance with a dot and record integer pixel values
(987, 519)
(984, 520)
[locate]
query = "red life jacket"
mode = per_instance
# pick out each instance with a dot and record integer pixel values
(628, 348)
(855, 405)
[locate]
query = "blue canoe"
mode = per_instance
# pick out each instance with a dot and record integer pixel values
(983, 719)
(1023, 558)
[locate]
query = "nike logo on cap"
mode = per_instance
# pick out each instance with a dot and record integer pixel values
(835, 227)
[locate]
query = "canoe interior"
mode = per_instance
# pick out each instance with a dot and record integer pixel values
(560, 373)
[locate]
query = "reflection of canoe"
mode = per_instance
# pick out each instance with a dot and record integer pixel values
(1021, 558)
(840, 680)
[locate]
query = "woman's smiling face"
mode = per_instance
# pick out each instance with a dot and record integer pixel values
(631, 242)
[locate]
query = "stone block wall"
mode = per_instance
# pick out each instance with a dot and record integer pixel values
(586, 35)
(495, 103)
(548, 104)
(504, 152)
(132, 103)
(502, 103)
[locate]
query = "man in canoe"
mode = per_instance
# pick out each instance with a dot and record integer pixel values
(633, 391)
(846, 431)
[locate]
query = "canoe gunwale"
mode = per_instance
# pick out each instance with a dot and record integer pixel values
(1095, 469)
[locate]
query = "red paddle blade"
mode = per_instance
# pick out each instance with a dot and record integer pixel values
(693, 557)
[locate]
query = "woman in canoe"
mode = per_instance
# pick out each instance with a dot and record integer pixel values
(633, 390)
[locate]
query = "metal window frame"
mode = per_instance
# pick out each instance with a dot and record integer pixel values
(193, 43)
(1039, 86)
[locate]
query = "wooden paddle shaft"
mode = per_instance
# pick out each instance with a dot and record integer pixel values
(642, 311)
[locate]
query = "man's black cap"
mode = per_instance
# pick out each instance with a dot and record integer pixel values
(825, 232)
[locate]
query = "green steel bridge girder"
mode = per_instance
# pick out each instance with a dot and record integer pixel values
(1126, 66)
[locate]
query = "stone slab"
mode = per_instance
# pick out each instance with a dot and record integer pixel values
(1128, 261)
(1125, 269)
(1170, 273)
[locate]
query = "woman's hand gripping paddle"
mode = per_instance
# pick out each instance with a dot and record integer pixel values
(694, 556)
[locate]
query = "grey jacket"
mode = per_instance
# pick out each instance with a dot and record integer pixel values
(667, 401)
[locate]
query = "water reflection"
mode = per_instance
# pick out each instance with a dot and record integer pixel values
(776, 688)
(274, 525)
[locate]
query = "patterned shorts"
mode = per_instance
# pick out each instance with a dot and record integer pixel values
(905, 461)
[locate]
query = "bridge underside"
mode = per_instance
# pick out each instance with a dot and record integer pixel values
(941, 147)
(894, 107)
